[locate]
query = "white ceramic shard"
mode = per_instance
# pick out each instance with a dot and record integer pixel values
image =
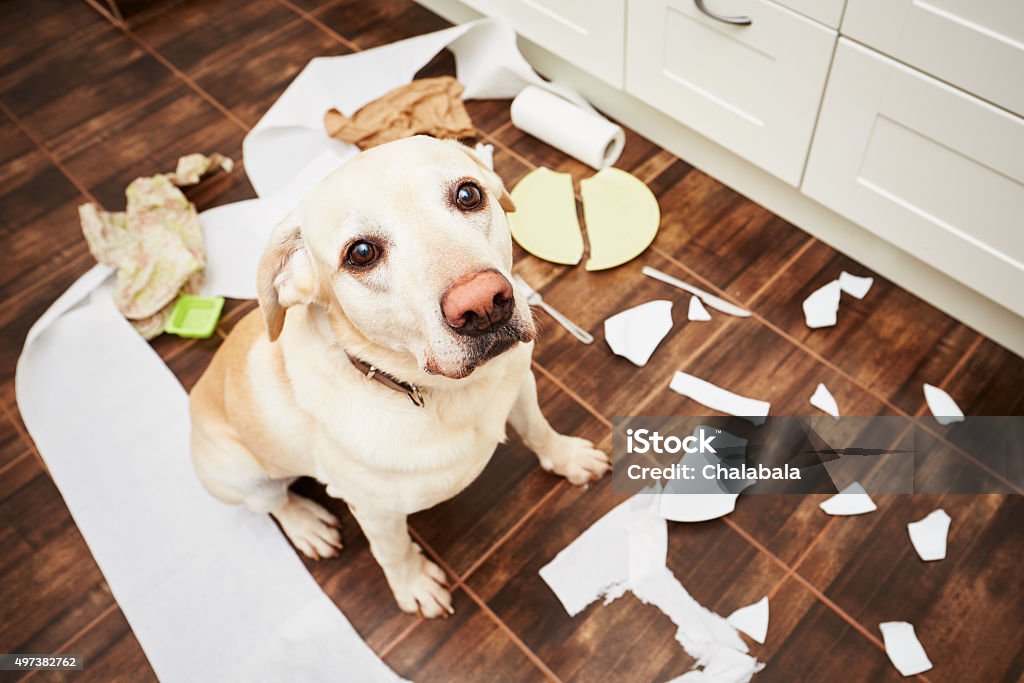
(821, 307)
(929, 535)
(752, 619)
(697, 312)
(636, 332)
(904, 649)
(823, 400)
(853, 500)
(715, 302)
(719, 399)
(942, 405)
(855, 285)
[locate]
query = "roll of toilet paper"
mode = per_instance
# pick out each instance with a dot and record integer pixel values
(583, 134)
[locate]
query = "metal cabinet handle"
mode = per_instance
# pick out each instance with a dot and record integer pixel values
(741, 20)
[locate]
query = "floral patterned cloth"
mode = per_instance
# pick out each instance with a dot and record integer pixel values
(156, 243)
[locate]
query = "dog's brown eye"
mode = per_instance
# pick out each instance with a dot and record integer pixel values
(362, 254)
(468, 196)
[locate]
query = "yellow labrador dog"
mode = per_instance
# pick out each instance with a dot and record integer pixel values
(389, 353)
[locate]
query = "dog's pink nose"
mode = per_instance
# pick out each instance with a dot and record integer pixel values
(478, 302)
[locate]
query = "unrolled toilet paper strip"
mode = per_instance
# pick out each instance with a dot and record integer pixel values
(211, 591)
(593, 566)
(291, 135)
(580, 133)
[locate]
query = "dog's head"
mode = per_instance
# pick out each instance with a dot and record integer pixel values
(407, 244)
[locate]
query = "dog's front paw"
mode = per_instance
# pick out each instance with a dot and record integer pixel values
(575, 459)
(424, 590)
(310, 527)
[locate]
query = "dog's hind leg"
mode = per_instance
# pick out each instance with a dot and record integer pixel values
(229, 472)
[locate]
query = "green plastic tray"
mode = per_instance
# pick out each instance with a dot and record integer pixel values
(195, 316)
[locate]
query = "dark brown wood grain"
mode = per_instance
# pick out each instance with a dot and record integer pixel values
(87, 108)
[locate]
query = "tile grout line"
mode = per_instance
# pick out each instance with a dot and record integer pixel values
(530, 654)
(18, 458)
(397, 640)
(81, 632)
(41, 146)
(572, 394)
(315, 21)
(23, 436)
(520, 523)
(785, 266)
(796, 576)
(661, 169)
(979, 338)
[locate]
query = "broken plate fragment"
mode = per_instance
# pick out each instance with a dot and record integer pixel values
(752, 619)
(942, 405)
(823, 400)
(622, 217)
(904, 649)
(636, 332)
(853, 500)
(821, 307)
(719, 399)
(544, 222)
(697, 312)
(929, 535)
(855, 285)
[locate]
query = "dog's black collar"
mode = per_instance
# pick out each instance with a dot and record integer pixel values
(373, 373)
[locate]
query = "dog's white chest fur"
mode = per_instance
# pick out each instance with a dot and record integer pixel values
(361, 438)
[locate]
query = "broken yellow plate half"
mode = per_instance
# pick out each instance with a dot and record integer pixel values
(544, 222)
(620, 212)
(622, 217)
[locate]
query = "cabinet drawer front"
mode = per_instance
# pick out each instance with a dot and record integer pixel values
(753, 89)
(977, 45)
(828, 12)
(589, 34)
(928, 167)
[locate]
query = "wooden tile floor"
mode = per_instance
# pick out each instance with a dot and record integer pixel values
(94, 93)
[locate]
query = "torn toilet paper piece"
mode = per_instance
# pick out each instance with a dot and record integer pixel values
(823, 400)
(904, 649)
(942, 406)
(544, 222)
(431, 106)
(702, 499)
(752, 619)
(719, 399)
(711, 300)
(821, 307)
(485, 153)
(929, 535)
(853, 500)
(697, 312)
(622, 217)
(855, 285)
(588, 569)
(636, 332)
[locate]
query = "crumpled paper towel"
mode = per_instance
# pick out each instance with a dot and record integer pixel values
(155, 244)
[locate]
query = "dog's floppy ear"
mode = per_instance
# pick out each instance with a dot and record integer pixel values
(285, 276)
(491, 179)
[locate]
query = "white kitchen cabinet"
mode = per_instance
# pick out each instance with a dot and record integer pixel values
(589, 34)
(754, 89)
(925, 166)
(977, 45)
(828, 12)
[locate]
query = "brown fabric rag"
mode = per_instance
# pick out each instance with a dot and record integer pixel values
(429, 105)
